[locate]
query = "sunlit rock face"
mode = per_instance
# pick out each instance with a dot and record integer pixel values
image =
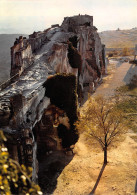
(72, 24)
(50, 48)
(73, 49)
(21, 56)
(89, 45)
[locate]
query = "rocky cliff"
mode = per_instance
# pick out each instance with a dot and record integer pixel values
(48, 71)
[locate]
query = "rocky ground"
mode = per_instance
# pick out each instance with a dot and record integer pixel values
(120, 175)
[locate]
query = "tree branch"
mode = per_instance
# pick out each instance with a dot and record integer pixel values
(98, 139)
(111, 139)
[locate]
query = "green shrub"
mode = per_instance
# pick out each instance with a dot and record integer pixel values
(14, 179)
(126, 52)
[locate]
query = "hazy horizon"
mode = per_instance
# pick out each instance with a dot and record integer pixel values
(18, 33)
(27, 16)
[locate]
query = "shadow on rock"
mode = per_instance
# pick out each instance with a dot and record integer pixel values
(136, 187)
(130, 73)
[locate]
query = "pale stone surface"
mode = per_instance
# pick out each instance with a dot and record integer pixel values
(46, 53)
(33, 60)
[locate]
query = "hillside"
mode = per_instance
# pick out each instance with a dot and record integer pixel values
(119, 38)
(6, 41)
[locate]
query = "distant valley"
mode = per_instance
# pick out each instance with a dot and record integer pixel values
(6, 41)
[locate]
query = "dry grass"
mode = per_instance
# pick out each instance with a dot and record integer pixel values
(120, 52)
(119, 176)
(119, 39)
(129, 104)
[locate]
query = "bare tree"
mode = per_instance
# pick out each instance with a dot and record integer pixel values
(102, 121)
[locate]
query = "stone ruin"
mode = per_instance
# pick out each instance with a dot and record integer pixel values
(50, 72)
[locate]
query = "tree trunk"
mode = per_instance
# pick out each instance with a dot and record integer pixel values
(105, 155)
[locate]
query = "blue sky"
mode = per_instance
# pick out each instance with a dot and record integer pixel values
(26, 16)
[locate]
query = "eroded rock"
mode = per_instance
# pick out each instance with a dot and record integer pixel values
(43, 102)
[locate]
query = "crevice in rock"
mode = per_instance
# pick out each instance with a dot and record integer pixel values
(74, 56)
(53, 139)
(55, 132)
(74, 41)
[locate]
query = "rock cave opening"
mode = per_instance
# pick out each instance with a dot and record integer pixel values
(74, 56)
(74, 41)
(55, 132)
(53, 140)
(87, 24)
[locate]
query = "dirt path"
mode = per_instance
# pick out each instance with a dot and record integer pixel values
(120, 74)
(119, 176)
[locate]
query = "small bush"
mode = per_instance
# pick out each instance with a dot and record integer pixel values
(14, 179)
(112, 53)
(133, 62)
(125, 52)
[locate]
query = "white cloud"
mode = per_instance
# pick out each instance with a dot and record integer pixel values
(29, 15)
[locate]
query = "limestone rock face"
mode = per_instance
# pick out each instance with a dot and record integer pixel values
(50, 48)
(72, 24)
(21, 56)
(74, 48)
